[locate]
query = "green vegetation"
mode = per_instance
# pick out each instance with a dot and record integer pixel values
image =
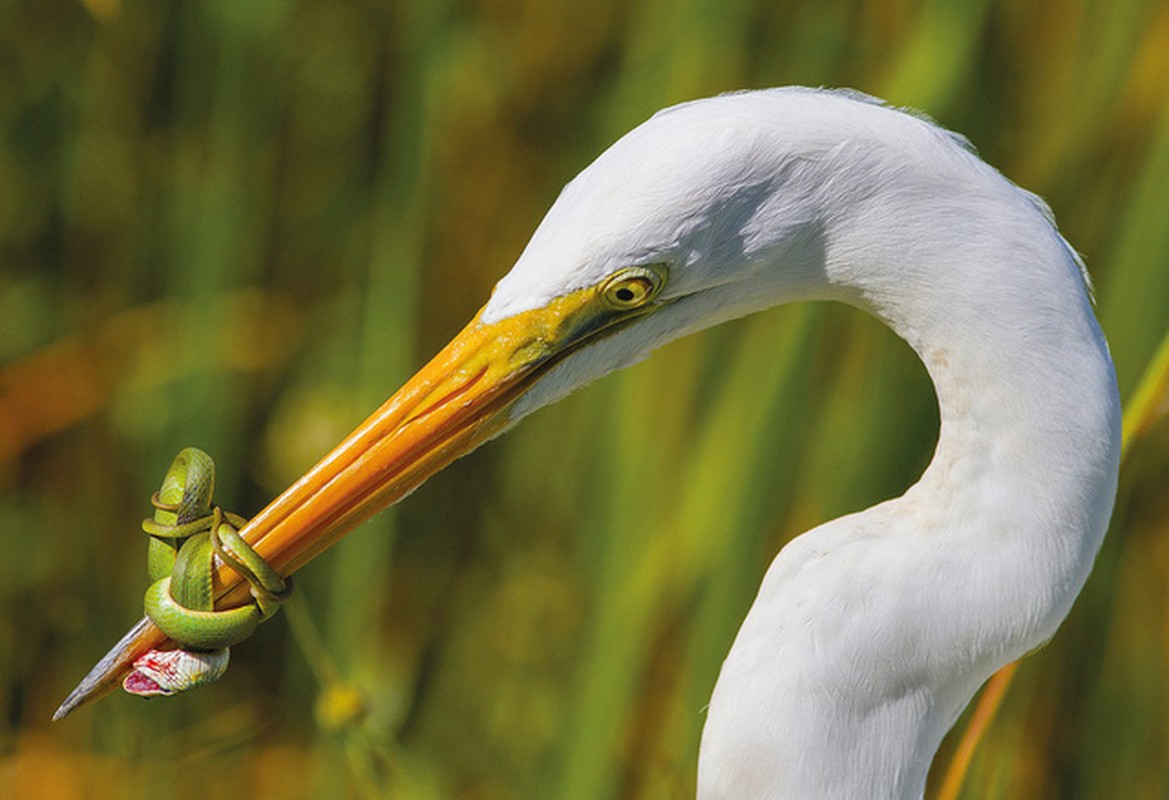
(239, 226)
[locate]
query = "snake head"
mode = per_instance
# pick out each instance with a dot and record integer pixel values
(161, 673)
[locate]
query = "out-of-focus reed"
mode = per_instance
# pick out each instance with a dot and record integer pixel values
(241, 225)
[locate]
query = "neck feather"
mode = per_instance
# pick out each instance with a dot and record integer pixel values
(872, 632)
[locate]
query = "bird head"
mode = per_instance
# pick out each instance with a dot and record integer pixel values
(679, 225)
(707, 211)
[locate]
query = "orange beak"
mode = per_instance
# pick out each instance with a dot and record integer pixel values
(455, 403)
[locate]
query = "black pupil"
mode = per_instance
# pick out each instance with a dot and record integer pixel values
(625, 294)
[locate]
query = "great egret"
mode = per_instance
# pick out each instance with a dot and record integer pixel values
(869, 633)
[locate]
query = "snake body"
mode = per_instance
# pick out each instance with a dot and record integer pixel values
(186, 533)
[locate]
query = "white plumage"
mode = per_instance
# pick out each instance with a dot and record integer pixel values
(871, 632)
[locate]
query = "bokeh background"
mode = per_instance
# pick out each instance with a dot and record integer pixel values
(240, 225)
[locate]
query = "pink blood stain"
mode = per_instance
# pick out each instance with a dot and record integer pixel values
(166, 672)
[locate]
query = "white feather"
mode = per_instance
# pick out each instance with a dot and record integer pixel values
(870, 633)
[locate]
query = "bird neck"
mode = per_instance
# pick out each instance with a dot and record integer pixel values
(1030, 416)
(872, 632)
(1028, 444)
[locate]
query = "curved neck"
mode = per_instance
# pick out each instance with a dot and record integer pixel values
(872, 632)
(1028, 446)
(1030, 416)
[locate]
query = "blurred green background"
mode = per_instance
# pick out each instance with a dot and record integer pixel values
(241, 225)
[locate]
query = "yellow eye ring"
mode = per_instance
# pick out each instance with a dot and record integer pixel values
(633, 287)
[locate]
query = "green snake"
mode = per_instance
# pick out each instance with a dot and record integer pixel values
(186, 533)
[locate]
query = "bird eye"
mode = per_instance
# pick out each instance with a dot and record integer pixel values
(633, 287)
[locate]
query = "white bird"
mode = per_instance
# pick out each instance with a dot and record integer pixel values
(870, 633)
